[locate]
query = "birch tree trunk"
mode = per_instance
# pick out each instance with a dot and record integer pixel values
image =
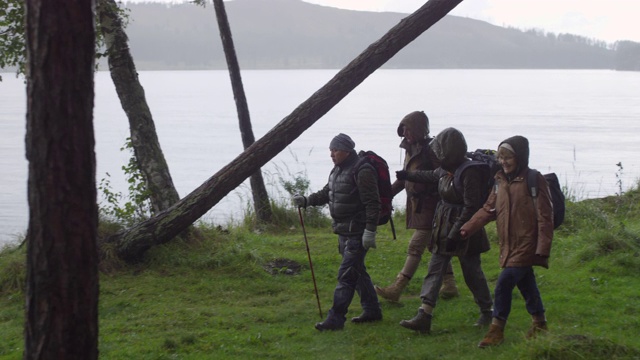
(62, 257)
(133, 242)
(144, 139)
(261, 203)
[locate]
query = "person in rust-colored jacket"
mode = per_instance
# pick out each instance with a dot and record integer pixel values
(422, 199)
(525, 233)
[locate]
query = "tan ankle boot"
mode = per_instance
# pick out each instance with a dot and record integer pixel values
(494, 337)
(393, 291)
(449, 289)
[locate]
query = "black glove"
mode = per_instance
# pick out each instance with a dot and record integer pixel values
(402, 175)
(451, 245)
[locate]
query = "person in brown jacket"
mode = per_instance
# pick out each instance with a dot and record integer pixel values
(456, 206)
(525, 233)
(421, 204)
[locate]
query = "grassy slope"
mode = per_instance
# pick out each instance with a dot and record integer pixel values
(214, 300)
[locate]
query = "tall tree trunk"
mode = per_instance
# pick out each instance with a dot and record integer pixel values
(261, 203)
(62, 257)
(144, 139)
(133, 242)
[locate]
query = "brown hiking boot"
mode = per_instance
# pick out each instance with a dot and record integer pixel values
(421, 322)
(494, 337)
(449, 290)
(537, 327)
(393, 291)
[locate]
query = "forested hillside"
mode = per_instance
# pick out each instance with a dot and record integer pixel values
(285, 34)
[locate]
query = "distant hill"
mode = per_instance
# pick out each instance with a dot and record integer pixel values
(288, 34)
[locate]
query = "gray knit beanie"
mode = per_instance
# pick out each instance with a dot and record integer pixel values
(342, 142)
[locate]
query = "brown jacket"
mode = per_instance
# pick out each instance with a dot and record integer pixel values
(422, 198)
(525, 227)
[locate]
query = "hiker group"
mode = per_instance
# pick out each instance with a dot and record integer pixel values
(449, 200)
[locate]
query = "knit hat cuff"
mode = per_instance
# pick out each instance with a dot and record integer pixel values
(342, 142)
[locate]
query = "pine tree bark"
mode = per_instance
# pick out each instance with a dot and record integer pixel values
(261, 203)
(62, 257)
(133, 242)
(144, 139)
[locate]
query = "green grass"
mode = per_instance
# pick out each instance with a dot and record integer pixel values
(213, 299)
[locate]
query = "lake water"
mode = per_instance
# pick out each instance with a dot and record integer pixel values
(580, 124)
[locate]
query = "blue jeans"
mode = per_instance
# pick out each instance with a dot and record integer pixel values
(352, 278)
(525, 280)
(471, 271)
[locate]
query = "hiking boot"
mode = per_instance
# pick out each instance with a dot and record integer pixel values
(484, 319)
(330, 324)
(421, 322)
(449, 290)
(393, 291)
(537, 327)
(367, 317)
(494, 337)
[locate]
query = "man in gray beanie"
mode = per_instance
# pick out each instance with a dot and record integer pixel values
(342, 142)
(354, 205)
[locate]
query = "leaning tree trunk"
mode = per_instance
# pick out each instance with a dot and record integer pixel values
(62, 257)
(144, 139)
(261, 203)
(133, 242)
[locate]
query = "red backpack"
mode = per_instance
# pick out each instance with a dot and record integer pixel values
(384, 185)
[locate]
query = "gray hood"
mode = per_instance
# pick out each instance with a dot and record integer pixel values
(450, 147)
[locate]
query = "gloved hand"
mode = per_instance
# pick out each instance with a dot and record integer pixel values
(401, 175)
(451, 245)
(299, 201)
(369, 239)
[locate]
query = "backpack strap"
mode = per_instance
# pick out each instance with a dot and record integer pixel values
(457, 175)
(362, 160)
(532, 185)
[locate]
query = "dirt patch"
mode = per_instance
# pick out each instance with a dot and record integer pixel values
(282, 267)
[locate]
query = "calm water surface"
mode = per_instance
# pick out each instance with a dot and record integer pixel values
(580, 125)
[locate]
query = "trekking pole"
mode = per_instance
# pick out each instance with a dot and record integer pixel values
(313, 276)
(393, 228)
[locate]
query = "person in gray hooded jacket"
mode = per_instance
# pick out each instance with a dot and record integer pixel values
(453, 210)
(354, 205)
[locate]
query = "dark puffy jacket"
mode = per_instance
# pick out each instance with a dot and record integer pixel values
(421, 197)
(454, 208)
(354, 203)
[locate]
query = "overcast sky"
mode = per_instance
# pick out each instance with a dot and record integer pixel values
(607, 20)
